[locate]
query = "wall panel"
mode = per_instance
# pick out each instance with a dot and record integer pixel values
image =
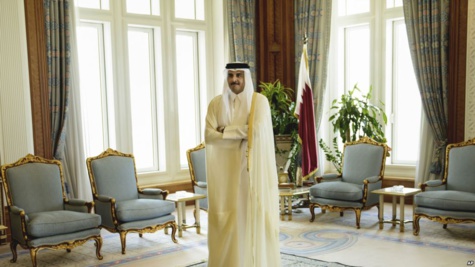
(275, 42)
(15, 112)
(470, 85)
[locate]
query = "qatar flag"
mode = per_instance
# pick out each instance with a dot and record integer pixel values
(304, 112)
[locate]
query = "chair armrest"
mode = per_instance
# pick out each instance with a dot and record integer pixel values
(78, 205)
(18, 220)
(153, 193)
(372, 179)
(105, 206)
(202, 184)
(16, 210)
(370, 184)
(102, 198)
(433, 185)
(329, 177)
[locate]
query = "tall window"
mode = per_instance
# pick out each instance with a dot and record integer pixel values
(142, 88)
(403, 96)
(370, 48)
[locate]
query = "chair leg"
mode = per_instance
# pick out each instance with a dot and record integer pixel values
(122, 240)
(33, 252)
(98, 247)
(13, 246)
(173, 226)
(312, 211)
(415, 224)
(358, 217)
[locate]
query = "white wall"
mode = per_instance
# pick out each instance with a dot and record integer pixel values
(16, 134)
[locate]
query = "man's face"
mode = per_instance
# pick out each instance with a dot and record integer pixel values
(236, 81)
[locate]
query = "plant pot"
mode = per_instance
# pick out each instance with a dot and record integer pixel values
(283, 145)
(283, 177)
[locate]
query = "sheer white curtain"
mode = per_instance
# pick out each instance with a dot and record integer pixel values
(426, 150)
(74, 147)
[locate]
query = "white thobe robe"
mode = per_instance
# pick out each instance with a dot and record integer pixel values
(243, 219)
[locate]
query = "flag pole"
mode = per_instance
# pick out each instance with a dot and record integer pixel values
(304, 111)
(304, 49)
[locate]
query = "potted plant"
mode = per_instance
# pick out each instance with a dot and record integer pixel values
(281, 106)
(354, 118)
(285, 124)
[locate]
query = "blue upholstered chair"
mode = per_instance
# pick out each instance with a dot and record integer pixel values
(452, 199)
(197, 166)
(363, 166)
(41, 216)
(123, 206)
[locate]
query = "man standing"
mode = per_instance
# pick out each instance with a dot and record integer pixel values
(243, 218)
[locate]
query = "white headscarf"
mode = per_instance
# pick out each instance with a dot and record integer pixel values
(247, 93)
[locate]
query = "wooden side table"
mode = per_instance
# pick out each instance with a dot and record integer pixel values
(3, 234)
(402, 194)
(286, 195)
(180, 201)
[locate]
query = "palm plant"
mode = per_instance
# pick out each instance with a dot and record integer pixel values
(281, 106)
(354, 118)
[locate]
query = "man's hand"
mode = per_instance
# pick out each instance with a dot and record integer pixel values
(220, 129)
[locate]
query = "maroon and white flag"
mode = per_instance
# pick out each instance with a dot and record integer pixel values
(304, 112)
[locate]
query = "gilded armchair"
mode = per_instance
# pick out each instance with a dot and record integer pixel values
(363, 166)
(197, 166)
(123, 206)
(452, 199)
(41, 216)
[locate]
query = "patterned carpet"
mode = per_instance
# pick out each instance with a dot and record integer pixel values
(335, 239)
(294, 261)
(330, 238)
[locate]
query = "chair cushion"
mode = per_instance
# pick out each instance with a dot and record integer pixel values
(337, 190)
(361, 161)
(143, 209)
(446, 200)
(462, 215)
(41, 182)
(114, 176)
(50, 223)
(461, 169)
(198, 158)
